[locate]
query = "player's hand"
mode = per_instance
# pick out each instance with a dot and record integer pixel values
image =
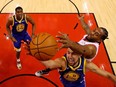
(64, 39)
(81, 17)
(27, 48)
(33, 36)
(13, 39)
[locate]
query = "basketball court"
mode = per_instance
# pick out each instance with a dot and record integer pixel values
(53, 16)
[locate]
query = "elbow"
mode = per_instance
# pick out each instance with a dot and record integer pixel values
(7, 27)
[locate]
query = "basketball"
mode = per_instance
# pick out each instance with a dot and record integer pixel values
(43, 46)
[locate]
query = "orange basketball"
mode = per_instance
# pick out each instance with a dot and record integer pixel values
(43, 46)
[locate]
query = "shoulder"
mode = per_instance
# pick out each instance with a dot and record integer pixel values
(27, 16)
(91, 47)
(62, 62)
(29, 19)
(90, 51)
(10, 21)
(10, 18)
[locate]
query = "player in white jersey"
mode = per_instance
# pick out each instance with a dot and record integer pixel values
(88, 46)
(84, 42)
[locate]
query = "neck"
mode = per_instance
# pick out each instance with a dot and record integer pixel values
(76, 63)
(18, 18)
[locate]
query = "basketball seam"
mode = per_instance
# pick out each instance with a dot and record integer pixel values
(42, 41)
(43, 47)
(38, 46)
(39, 41)
(43, 53)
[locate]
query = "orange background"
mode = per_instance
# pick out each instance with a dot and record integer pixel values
(51, 23)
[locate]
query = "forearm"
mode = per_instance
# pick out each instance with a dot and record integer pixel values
(101, 72)
(51, 64)
(9, 32)
(111, 77)
(85, 25)
(33, 29)
(77, 48)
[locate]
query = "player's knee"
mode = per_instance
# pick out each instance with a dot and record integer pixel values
(17, 49)
(28, 41)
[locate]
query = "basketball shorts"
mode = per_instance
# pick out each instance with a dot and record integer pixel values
(25, 37)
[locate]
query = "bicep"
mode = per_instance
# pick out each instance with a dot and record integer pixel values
(9, 22)
(89, 51)
(29, 19)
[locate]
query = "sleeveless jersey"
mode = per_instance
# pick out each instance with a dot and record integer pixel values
(19, 27)
(84, 42)
(74, 76)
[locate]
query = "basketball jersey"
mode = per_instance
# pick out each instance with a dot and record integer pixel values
(74, 76)
(84, 42)
(19, 27)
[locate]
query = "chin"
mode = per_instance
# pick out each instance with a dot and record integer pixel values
(71, 64)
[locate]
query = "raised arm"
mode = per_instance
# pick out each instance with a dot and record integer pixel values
(87, 51)
(94, 68)
(84, 25)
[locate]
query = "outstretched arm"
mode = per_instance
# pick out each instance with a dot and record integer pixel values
(84, 25)
(87, 51)
(53, 64)
(94, 68)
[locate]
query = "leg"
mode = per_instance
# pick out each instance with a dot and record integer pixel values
(18, 51)
(27, 39)
(17, 47)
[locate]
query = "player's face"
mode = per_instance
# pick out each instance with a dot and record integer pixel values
(19, 13)
(72, 57)
(95, 35)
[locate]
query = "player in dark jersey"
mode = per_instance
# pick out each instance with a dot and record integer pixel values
(19, 31)
(72, 68)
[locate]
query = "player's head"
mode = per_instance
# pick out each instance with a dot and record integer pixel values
(98, 34)
(72, 57)
(19, 12)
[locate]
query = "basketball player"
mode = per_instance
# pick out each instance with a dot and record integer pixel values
(72, 68)
(88, 46)
(19, 31)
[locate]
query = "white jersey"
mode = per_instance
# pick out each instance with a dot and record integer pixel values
(84, 42)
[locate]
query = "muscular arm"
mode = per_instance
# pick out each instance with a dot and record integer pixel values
(8, 24)
(29, 19)
(84, 24)
(87, 51)
(92, 67)
(53, 64)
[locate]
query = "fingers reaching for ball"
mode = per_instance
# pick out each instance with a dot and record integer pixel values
(64, 40)
(62, 35)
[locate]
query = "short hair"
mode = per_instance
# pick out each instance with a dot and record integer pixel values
(18, 8)
(105, 35)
